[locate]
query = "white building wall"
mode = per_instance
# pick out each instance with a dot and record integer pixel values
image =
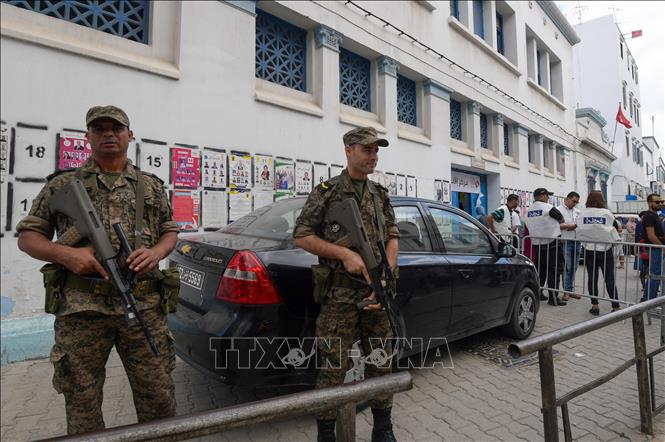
(599, 73)
(195, 84)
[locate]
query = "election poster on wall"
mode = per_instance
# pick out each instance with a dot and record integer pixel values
(73, 150)
(438, 190)
(391, 183)
(284, 174)
(264, 172)
(464, 182)
(23, 194)
(321, 173)
(153, 158)
(213, 168)
(240, 167)
(411, 186)
(303, 177)
(33, 152)
(425, 188)
(335, 170)
(186, 209)
(525, 203)
(214, 209)
(401, 185)
(240, 203)
(185, 168)
(4, 162)
(263, 198)
(445, 192)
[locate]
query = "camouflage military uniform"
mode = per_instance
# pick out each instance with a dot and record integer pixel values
(88, 325)
(340, 317)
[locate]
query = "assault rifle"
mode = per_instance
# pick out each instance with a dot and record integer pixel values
(73, 201)
(347, 215)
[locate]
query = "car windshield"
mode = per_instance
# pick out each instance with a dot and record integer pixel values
(275, 221)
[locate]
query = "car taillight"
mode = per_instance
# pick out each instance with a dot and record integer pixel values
(246, 281)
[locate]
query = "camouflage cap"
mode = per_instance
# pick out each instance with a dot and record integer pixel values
(364, 136)
(112, 112)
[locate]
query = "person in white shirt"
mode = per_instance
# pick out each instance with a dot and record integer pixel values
(544, 223)
(502, 221)
(571, 248)
(597, 230)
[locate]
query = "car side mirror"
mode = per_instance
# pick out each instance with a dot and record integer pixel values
(506, 250)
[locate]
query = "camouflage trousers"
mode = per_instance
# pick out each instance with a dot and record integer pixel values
(83, 342)
(342, 321)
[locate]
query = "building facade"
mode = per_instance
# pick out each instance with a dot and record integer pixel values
(607, 78)
(476, 99)
(655, 165)
(594, 152)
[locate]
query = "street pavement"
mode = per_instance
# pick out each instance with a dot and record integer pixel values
(485, 396)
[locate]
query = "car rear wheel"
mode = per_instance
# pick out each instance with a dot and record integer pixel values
(523, 317)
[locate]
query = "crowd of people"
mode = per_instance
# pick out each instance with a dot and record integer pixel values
(556, 238)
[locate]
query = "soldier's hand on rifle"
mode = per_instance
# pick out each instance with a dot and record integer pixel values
(82, 261)
(354, 264)
(142, 260)
(376, 305)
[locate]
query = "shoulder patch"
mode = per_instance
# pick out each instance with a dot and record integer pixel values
(327, 185)
(59, 172)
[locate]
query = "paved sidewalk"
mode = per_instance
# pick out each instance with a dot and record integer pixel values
(480, 399)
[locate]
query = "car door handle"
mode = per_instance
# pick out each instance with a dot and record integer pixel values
(466, 274)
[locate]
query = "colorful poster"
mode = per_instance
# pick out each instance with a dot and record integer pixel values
(240, 203)
(335, 169)
(153, 158)
(264, 172)
(186, 209)
(303, 177)
(214, 209)
(391, 183)
(284, 174)
(185, 168)
(213, 169)
(33, 152)
(321, 173)
(240, 167)
(263, 198)
(401, 185)
(445, 189)
(73, 150)
(411, 186)
(525, 203)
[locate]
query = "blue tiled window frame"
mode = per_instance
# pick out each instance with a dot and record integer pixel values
(406, 101)
(355, 80)
(484, 143)
(122, 18)
(281, 52)
(456, 130)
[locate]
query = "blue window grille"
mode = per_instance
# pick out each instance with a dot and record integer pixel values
(354, 80)
(406, 100)
(455, 120)
(454, 8)
(124, 18)
(499, 34)
(506, 139)
(538, 55)
(478, 19)
(483, 131)
(532, 143)
(281, 50)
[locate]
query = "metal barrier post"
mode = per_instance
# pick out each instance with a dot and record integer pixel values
(646, 417)
(346, 423)
(548, 390)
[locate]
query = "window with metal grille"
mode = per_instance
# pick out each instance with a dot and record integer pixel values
(280, 52)
(532, 147)
(455, 119)
(354, 80)
(546, 156)
(499, 34)
(124, 18)
(483, 131)
(506, 139)
(627, 146)
(406, 100)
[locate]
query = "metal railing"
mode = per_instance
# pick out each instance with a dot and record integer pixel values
(343, 397)
(643, 362)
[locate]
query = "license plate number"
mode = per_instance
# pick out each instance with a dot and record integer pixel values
(191, 277)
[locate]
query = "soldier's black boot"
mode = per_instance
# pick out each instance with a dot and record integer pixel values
(326, 430)
(383, 426)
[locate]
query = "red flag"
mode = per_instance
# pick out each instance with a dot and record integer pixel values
(621, 119)
(636, 34)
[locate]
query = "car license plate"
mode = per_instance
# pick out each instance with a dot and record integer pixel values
(191, 277)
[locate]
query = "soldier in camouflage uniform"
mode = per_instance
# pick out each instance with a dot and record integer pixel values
(89, 319)
(340, 317)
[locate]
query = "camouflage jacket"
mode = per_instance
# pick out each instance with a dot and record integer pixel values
(313, 219)
(114, 203)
